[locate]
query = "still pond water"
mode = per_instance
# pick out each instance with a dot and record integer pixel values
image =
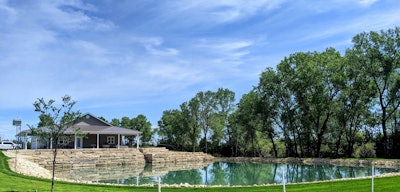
(222, 173)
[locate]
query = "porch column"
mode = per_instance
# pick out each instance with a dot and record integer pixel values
(98, 141)
(75, 141)
(26, 141)
(137, 141)
(36, 142)
(119, 142)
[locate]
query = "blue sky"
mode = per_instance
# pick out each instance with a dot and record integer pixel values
(124, 58)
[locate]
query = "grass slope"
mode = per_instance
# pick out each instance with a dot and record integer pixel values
(10, 181)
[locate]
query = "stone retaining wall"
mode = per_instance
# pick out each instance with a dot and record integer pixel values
(76, 158)
(87, 165)
(163, 155)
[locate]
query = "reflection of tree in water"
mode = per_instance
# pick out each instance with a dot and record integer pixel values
(307, 173)
(250, 173)
(192, 177)
(218, 174)
(221, 173)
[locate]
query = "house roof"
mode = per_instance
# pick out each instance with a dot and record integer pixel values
(91, 124)
(102, 130)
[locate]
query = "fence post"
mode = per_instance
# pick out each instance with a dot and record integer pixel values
(283, 180)
(373, 173)
(159, 184)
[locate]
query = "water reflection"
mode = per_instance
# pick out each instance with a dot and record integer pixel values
(218, 173)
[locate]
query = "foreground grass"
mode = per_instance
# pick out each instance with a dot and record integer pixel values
(10, 181)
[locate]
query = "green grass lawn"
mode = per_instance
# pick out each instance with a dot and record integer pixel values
(10, 181)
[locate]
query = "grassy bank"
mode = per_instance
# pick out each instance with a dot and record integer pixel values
(10, 181)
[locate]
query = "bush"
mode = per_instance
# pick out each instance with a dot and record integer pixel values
(366, 150)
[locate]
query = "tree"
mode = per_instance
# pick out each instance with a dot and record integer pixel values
(206, 111)
(235, 134)
(213, 111)
(126, 122)
(248, 120)
(314, 79)
(54, 121)
(115, 122)
(354, 104)
(225, 105)
(268, 104)
(140, 123)
(287, 118)
(171, 128)
(379, 56)
(190, 111)
(103, 119)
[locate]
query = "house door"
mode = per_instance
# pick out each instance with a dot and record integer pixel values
(79, 142)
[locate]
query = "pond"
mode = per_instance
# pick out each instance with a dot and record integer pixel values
(219, 173)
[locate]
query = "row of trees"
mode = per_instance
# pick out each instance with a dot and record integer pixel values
(315, 104)
(202, 120)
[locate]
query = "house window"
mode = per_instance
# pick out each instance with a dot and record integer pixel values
(63, 141)
(110, 140)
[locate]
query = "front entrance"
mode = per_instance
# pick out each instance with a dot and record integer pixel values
(79, 143)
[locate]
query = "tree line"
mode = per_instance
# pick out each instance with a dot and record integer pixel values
(314, 104)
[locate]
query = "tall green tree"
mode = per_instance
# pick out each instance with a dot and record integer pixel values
(115, 122)
(235, 134)
(125, 122)
(267, 91)
(207, 114)
(207, 107)
(54, 121)
(225, 103)
(172, 129)
(141, 124)
(248, 120)
(313, 78)
(378, 55)
(213, 111)
(354, 104)
(190, 118)
(288, 117)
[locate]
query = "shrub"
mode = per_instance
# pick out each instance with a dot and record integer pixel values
(366, 150)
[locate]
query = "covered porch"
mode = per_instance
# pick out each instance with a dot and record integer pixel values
(103, 137)
(86, 137)
(89, 132)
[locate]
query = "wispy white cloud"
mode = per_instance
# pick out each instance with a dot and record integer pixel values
(331, 5)
(7, 13)
(71, 15)
(353, 26)
(367, 2)
(153, 46)
(226, 10)
(92, 53)
(227, 53)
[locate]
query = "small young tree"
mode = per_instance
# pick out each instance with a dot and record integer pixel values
(54, 121)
